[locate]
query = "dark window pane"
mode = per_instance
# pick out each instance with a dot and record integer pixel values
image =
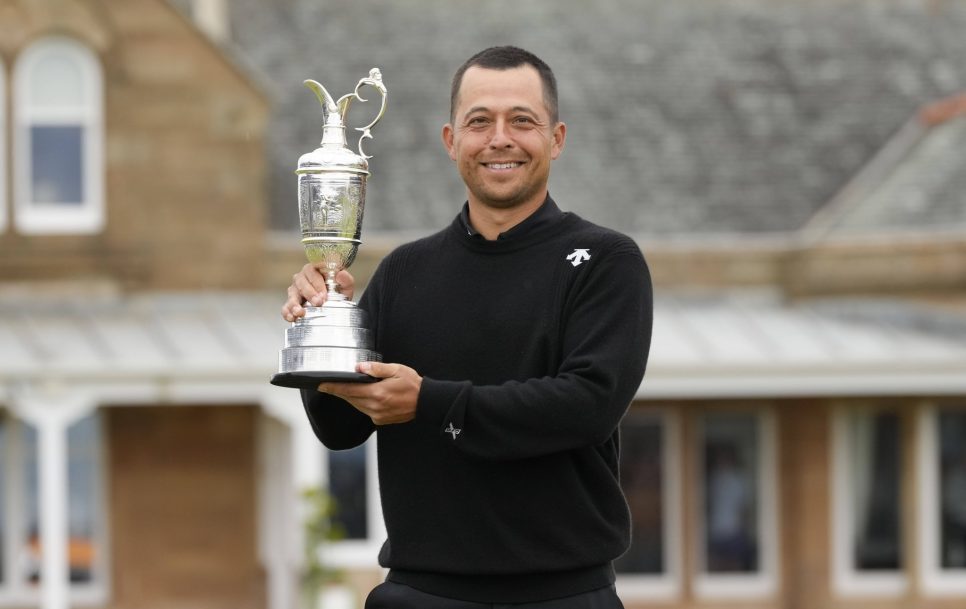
(731, 454)
(31, 551)
(57, 164)
(874, 483)
(642, 477)
(83, 488)
(952, 488)
(347, 485)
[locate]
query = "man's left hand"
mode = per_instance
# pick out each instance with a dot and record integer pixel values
(391, 400)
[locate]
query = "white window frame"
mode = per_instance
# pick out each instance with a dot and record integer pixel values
(935, 580)
(14, 590)
(847, 580)
(36, 217)
(764, 583)
(666, 586)
(360, 553)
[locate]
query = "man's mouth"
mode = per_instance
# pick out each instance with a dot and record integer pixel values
(506, 165)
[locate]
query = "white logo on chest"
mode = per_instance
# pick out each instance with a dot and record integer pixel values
(578, 257)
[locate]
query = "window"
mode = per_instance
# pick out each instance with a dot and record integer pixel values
(952, 491)
(867, 500)
(5, 554)
(58, 139)
(942, 497)
(352, 482)
(649, 475)
(737, 534)
(20, 559)
(3, 151)
(85, 491)
(349, 490)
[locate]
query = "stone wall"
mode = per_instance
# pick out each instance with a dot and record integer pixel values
(182, 508)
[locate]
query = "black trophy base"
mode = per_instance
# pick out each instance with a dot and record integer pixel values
(311, 380)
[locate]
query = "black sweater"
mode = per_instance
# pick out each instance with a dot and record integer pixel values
(505, 488)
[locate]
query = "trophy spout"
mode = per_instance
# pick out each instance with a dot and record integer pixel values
(333, 128)
(328, 103)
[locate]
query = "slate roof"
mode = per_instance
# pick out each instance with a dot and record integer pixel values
(916, 183)
(685, 117)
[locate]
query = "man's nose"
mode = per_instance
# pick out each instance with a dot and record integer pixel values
(500, 137)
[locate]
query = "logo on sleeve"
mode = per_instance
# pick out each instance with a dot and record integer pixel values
(453, 430)
(578, 257)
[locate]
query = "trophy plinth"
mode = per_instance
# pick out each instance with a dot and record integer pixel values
(329, 341)
(326, 345)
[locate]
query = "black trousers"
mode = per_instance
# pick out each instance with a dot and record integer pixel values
(390, 595)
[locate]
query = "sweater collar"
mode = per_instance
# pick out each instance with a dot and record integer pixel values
(545, 214)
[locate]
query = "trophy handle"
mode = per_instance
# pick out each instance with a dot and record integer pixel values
(375, 81)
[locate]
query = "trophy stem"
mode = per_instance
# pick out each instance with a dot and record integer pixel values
(332, 286)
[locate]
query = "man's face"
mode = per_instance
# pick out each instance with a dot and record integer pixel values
(501, 137)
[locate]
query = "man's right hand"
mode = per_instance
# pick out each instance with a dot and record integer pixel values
(308, 287)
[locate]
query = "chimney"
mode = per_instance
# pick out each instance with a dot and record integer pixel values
(211, 17)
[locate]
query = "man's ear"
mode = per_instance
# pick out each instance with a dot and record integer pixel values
(448, 140)
(559, 137)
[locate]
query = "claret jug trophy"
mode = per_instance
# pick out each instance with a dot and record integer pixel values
(328, 342)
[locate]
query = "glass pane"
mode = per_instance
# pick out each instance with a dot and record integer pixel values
(57, 164)
(642, 477)
(731, 453)
(3, 496)
(347, 485)
(83, 490)
(952, 485)
(874, 484)
(56, 82)
(31, 551)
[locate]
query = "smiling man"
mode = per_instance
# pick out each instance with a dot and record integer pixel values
(517, 337)
(503, 134)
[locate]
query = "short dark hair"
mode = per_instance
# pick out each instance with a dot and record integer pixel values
(505, 58)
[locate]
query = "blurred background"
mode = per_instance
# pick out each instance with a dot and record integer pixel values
(794, 171)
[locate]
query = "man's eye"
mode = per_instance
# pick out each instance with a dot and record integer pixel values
(523, 120)
(477, 121)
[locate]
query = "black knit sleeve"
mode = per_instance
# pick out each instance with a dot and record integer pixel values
(605, 343)
(336, 422)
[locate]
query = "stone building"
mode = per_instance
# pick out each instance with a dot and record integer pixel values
(137, 468)
(792, 171)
